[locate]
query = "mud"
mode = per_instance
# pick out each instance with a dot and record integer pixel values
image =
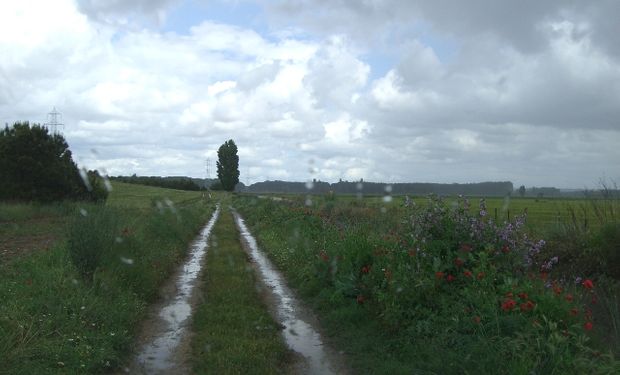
(300, 327)
(164, 338)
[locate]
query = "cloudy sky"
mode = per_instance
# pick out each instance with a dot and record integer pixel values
(385, 90)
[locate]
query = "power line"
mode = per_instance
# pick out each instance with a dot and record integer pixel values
(53, 121)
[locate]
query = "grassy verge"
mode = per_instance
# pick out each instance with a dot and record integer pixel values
(433, 290)
(74, 307)
(234, 333)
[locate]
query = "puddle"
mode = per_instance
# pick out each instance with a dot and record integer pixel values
(158, 353)
(299, 334)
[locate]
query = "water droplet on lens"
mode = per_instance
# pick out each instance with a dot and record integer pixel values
(309, 185)
(308, 201)
(127, 260)
(387, 198)
(388, 188)
(83, 212)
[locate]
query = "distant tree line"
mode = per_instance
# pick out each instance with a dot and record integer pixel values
(377, 188)
(179, 183)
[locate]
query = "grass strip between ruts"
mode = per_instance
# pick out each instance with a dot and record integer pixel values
(233, 331)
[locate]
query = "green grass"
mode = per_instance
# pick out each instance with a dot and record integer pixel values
(372, 276)
(234, 333)
(55, 318)
(142, 197)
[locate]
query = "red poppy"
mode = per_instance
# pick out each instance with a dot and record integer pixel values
(593, 300)
(450, 278)
(557, 290)
(324, 256)
(411, 252)
(527, 306)
(588, 284)
(360, 299)
(365, 269)
(439, 275)
(505, 249)
(477, 319)
(569, 297)
(522, 295)
(467, 274)
(574, 311)
(458, 262)
(588, 326)
(508, 304)
(480, 275)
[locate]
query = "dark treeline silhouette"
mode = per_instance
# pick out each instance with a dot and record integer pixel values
(179, 183)
(377, 188)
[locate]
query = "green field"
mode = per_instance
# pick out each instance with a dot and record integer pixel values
(440, 289)
(72, 304)
(430, 288)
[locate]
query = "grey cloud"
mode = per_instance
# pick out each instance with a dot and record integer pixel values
(119, 12)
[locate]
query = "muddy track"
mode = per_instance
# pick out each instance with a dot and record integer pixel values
(301, 328)
(163, 345)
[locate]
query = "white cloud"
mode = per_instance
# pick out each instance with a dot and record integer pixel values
(531, 97)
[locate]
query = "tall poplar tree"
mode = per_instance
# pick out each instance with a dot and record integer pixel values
(228, 165)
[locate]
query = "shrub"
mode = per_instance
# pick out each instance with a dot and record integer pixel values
(37, 166)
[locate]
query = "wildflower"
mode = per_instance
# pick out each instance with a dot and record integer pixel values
(527, 306)
(588, 326)
(439, 275)
(360, 299)
(522, 295)
(477, 319)
(588, 284)
(569, 297)
(574, 311)
(467, 273)
(508, 304)
(557, 290)
(450, 278)
(480, 275)
(458, 262)
(324, 256)
(505, 249)
(593, 300)
(365, 269)
(411, 252)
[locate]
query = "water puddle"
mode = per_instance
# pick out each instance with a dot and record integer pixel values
(299, 334)
(158, 353)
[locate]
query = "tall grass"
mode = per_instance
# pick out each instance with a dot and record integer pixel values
(75, 307)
